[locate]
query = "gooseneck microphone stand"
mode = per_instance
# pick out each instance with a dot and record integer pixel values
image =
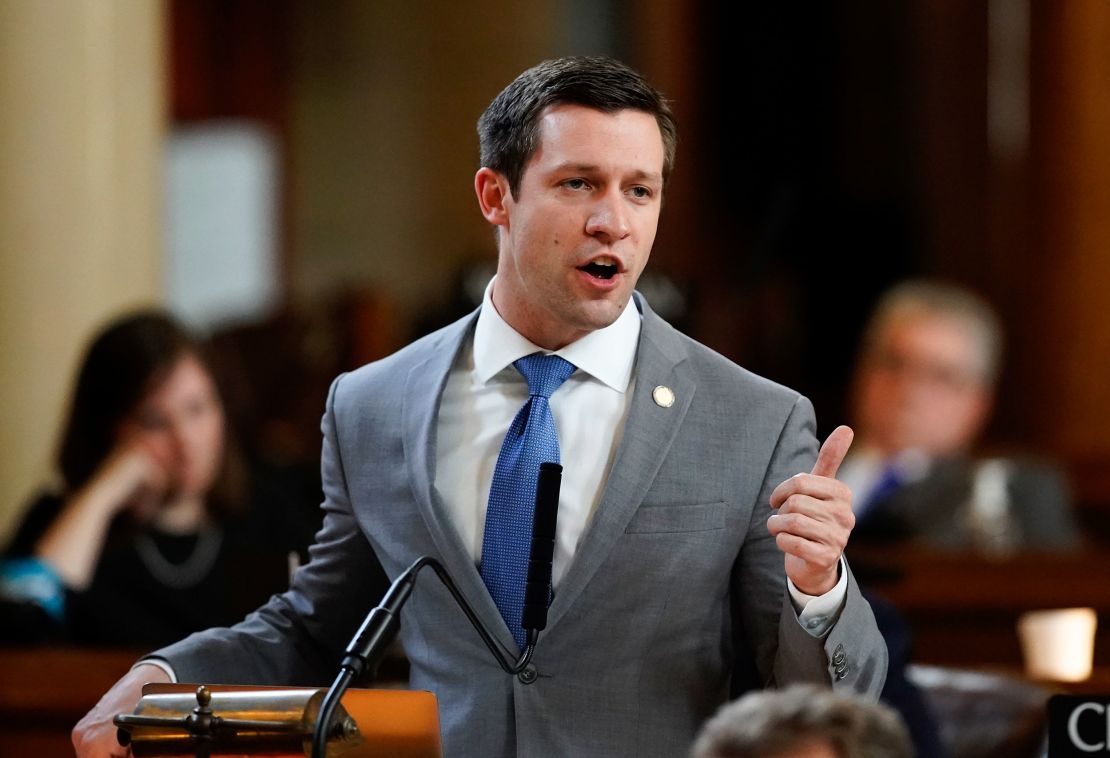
(382, 623)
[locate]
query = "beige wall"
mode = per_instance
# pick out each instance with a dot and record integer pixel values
(82, 93)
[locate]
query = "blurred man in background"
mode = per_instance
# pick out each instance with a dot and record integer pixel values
(922, 394)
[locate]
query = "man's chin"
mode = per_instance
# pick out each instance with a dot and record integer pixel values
(603, 312)
(600, 319)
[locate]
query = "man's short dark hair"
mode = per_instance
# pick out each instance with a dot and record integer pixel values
(508, 130)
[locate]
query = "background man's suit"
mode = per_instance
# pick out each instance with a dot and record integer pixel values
(932, 511)
(676, 581)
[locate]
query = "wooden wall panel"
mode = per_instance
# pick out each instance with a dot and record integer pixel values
(1071, 143)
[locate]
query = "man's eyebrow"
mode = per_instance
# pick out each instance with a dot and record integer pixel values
(648, 176)
(590, 168)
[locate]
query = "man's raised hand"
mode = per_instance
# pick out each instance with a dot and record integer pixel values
(813, 518)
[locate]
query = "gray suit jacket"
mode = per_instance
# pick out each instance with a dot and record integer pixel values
(676, 595)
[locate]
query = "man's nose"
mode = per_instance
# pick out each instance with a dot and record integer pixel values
(609, 218)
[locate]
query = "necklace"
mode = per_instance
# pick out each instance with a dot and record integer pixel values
(189, 572)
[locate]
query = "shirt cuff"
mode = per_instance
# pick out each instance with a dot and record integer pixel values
(160, 663)
(818, 613)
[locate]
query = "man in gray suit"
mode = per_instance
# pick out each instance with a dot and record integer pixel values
(699, 545)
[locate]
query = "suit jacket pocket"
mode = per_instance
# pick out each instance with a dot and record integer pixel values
(664, 519)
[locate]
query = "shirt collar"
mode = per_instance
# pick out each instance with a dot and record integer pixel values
(912, 463)
(605, 354)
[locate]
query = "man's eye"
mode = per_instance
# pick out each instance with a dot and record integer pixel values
(641, 192)
(575, 184)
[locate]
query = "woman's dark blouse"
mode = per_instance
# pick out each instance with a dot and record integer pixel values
(127, 606)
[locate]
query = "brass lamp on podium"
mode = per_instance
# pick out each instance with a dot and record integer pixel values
(220, 721)
(274, 722)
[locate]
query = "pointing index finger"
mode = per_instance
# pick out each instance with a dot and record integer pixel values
(833, 452)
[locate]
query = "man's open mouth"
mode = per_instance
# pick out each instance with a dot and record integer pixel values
(600, 270)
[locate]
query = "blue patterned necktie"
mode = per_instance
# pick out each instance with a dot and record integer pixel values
(530, 441)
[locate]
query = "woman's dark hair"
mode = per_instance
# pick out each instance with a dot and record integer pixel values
(127, 360)
(508, 131)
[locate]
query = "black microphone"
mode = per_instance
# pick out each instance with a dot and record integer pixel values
(364, 649)
(537, 589)
(380, 626)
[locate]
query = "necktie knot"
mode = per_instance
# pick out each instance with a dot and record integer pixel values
(889, 482)
(544, 373)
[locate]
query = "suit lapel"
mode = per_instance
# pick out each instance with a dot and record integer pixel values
(648, 433)
(423, 393)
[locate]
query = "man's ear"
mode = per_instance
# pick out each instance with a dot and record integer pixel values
(492, 189)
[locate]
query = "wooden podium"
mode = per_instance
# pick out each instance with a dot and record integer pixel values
(381, 724)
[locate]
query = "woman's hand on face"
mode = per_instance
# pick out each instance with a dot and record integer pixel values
(137, 475)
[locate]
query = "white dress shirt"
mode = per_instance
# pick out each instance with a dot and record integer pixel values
(483, 394)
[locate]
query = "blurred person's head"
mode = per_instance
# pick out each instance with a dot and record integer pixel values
(145, 378)
(927, 369)
(803, 721)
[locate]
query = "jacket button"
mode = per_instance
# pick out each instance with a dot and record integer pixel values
(529, 674)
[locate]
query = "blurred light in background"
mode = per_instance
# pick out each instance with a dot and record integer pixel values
(221, 223)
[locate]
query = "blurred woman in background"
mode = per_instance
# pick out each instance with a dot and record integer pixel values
(159, 529)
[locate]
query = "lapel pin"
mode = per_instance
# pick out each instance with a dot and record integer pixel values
(663, 396)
